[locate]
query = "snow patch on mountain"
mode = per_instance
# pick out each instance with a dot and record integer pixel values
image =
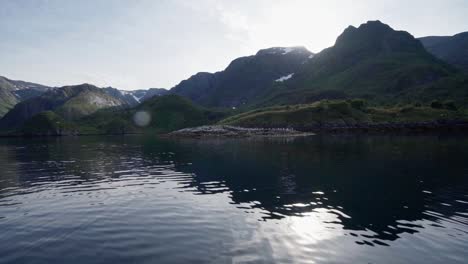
(136, 98)
(285, 78)
(102, 102)
(124, 92)
(287, 50)
(130, 94)
(281, 50)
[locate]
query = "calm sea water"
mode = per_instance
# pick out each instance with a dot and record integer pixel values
(322, 199)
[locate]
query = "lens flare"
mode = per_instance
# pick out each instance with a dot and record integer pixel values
(141, 118)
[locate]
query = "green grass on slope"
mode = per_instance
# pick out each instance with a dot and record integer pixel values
(339, 113)
(84, 104)
(47, 123)
(7, 101)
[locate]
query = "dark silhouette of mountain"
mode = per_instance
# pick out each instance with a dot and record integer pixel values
(451, 49)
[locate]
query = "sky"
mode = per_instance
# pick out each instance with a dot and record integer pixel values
(139, 44)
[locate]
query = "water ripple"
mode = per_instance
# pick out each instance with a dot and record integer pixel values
(323, 201)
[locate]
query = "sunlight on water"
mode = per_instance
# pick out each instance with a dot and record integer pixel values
(316, 226)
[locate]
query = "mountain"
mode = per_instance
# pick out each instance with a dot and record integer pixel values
(451, 49)
(126, 96)
(69, 102)
(144, 95)
(13, 92)
(374, 62)
(133, 98)
(246, 79)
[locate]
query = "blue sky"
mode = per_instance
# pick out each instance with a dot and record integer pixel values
(134, 44)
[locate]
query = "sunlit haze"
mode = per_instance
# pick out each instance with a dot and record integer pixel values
(143, 44)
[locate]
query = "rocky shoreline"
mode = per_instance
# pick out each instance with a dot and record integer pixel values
(236, 132)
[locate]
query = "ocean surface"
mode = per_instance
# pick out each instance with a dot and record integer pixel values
(320, 199)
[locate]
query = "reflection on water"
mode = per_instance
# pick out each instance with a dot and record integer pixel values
(329, 199)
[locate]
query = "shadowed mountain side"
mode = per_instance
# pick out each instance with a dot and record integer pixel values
(453, 49)
(245, 80)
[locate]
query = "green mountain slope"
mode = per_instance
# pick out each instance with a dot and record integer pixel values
(47, 124)
(375, 62)
(7, 100)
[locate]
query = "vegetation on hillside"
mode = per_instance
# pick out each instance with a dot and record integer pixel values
(344, 113)
(47, 124)
(167, 113)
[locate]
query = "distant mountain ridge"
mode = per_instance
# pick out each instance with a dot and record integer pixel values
(13, 92)
(69, 102)
(135, 97)
(451, 49)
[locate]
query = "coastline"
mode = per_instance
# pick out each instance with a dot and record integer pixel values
(454, 126)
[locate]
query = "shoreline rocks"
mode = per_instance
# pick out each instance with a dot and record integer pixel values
(236, 132)
(242, 132)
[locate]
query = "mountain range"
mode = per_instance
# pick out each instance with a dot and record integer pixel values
(372, 61)
(14, 92)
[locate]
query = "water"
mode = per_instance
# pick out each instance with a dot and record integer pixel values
(330, 199)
